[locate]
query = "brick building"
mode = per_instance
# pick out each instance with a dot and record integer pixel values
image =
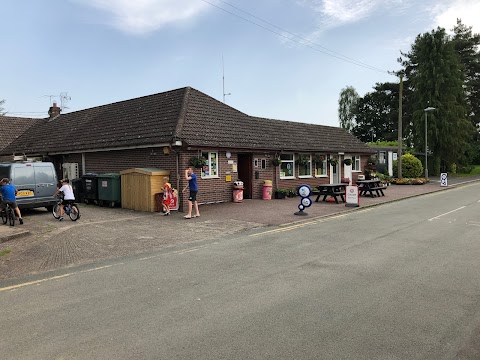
(166, 130)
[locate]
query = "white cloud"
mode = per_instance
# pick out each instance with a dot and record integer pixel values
(143, 16)
(336, 13)
(445, 15)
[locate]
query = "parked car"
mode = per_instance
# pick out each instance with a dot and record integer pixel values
(36, 183)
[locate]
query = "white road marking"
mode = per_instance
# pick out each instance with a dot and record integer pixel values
(436, 217)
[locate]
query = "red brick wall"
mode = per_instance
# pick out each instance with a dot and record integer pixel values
(211, 190)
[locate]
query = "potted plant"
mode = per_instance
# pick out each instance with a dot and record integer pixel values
(276, 161)
(198, 162)
(280, 193)
(291, 193)
(333, 161)
(303, 159)
(347, 162)
(318, 159)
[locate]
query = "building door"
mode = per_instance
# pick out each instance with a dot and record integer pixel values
(335, 171)
(245, 174)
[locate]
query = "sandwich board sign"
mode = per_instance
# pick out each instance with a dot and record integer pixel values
(351, 196)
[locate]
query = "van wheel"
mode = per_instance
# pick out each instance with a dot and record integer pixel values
(49, 208)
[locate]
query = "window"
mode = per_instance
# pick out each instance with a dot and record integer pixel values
(356, 163)
(382, 157)
(287, 166)
(304, 165)
(264, 163)
(211, 168)
(321, 168)
(255, 162)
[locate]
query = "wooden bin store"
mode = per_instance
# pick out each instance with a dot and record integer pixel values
(139, 187)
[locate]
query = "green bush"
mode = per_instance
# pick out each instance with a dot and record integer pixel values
(411, 167)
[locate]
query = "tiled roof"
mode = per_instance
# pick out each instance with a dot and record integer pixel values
(142, 121)
(187, 114)
(210, 123)
(11, 128)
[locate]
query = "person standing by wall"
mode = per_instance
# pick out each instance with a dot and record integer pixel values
(192, 199)
(167, 195)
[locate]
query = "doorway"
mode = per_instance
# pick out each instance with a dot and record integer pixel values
(245, 174)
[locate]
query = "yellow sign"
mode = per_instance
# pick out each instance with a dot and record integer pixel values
(228, 178)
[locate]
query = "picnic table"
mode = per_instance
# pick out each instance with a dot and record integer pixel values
(333, 190)
(370, 188)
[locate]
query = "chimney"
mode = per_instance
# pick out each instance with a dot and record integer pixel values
(54, 111)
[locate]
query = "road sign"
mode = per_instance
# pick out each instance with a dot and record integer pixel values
(443, 179)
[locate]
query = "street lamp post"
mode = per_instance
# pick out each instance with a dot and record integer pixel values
(426, 147)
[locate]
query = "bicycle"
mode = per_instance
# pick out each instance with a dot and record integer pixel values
(70, 209)
(8, 215)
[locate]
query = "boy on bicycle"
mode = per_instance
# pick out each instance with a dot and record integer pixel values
(8, 193)
(68, 196)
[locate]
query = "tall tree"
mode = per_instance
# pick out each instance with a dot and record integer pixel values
(347, 104)
(467, 46)
(436, 79)
(377, 114)
(1, 108)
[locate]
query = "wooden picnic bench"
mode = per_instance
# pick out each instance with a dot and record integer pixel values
(332, 190)
(370, 188)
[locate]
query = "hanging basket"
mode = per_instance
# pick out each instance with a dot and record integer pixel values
(276, 161)
(347, 162)
(198, 162)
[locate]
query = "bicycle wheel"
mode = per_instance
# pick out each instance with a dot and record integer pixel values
(56, 211)
(4, 216)
(74, 213)
(11, 217)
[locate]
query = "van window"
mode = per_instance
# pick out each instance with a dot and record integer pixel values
(43, 174)
(4, 172)
(23, 176)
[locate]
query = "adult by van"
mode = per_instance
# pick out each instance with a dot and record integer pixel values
(36, 183)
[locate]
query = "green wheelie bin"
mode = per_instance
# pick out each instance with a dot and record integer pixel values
(109, 189)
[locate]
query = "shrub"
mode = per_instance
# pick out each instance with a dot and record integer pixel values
(411, 166)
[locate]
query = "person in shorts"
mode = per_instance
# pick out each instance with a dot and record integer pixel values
(192, 199)
(8, 193)
(68, 196)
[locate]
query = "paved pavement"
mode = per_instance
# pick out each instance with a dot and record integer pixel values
(43, 243)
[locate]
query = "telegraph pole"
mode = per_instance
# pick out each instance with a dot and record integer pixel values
(400, 129)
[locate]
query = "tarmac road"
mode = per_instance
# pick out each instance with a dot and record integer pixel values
(398, 281)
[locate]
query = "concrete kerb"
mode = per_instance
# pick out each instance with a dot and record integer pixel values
(349, 210)
(10, 234)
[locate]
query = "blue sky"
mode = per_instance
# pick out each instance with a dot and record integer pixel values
(103, 51)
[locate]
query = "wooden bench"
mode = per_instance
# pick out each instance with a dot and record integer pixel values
(333, 194)
(378, 190)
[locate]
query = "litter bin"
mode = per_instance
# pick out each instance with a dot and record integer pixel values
(267, 190)
(90, 188)
(77, 185)
(238, 191)
(158, 202)
(109, 189)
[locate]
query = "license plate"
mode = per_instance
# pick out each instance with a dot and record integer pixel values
(24, 193)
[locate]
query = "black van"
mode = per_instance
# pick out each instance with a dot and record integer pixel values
(36, 182)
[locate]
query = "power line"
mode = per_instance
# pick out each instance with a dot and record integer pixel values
(329, 53)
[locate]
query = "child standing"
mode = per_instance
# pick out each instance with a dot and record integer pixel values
(167, 195)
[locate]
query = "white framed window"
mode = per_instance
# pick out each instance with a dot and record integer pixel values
(382, 157)
(305, 168)
(287, 167)
(321, 168)
(255, 162)
(356, 163)
(210, 170)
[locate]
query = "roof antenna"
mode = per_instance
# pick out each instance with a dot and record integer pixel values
(223, 80)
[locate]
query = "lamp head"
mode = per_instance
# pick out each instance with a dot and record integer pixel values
(429, 109)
